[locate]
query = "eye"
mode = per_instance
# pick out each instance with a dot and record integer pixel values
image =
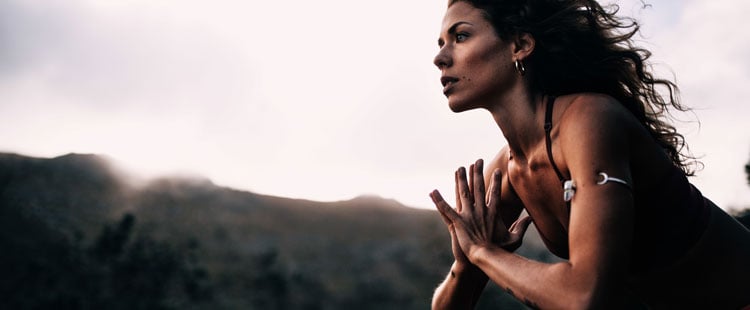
(461, 36)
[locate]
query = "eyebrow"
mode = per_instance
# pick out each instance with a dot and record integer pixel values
(452, 29)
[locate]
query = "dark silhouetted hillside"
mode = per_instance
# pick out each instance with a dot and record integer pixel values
(74, 235)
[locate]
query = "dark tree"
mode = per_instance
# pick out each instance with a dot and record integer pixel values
(43, 269)
(744, 215)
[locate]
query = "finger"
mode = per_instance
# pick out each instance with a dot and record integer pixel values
(520, 226)
(493, 203)
(480, 208)
(478, 180)
(446, 220)
(464, 191)
(471, 178)
(443, 207)
(458, 194)
(493, 192)
(513, 226)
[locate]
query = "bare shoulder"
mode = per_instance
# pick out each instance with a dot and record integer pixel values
(596, 133)
(593, 109)
(592, 116)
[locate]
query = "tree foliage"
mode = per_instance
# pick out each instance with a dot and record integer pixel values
(74, 236)
(744, 215)
(44, 270)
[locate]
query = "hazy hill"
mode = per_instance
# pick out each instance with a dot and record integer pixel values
(187, 243)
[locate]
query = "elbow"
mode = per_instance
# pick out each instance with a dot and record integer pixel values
(595, 298)
(597, 292)
(582, 300)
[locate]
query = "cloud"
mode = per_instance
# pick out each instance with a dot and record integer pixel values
(258, 96)
(118, 58)
(160, 91)
(322, 100)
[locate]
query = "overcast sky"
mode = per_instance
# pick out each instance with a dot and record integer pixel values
(323, 100)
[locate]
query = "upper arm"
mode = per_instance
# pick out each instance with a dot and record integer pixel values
(510, 204)
(594, 136)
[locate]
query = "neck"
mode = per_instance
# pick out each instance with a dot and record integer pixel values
(520, 116)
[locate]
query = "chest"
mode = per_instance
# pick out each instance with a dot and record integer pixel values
(541, 193)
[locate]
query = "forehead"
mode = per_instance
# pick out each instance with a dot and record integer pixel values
(462, 12)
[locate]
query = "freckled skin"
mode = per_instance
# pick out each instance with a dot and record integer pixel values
(591, 133)
(483, 70)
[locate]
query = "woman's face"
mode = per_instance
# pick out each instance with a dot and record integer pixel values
(476, 65)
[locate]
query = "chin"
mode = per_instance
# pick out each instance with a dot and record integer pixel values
(458, 106)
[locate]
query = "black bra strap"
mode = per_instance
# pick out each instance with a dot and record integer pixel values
(547, 131)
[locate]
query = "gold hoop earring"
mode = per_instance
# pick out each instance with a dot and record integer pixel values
(520, 67)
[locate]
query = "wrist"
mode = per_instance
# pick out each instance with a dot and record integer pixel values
(467, 271)
(478, 253)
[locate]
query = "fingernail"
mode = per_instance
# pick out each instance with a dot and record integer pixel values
(435, 193)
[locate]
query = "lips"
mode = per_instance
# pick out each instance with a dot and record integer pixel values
(447, 82)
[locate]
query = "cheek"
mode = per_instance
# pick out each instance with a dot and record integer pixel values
(488, 63)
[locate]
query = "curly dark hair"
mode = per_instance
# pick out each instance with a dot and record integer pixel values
(584, 47)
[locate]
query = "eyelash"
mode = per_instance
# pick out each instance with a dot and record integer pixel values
(460, 37)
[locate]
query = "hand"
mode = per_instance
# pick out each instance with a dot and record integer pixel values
(461, 261)
(476, 222)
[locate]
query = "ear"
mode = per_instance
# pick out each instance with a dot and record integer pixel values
(523, 45)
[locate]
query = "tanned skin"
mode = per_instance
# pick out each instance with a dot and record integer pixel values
(592, 133)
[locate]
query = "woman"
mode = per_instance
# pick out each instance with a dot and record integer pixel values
(589, 157)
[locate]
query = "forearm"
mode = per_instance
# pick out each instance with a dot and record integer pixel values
(460, 289)
(545, 286)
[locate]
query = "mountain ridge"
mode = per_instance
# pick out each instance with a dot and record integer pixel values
(368, 251)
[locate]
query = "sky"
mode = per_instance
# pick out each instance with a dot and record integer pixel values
(323, 100)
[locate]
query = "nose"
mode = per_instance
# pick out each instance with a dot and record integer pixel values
(443, 59)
